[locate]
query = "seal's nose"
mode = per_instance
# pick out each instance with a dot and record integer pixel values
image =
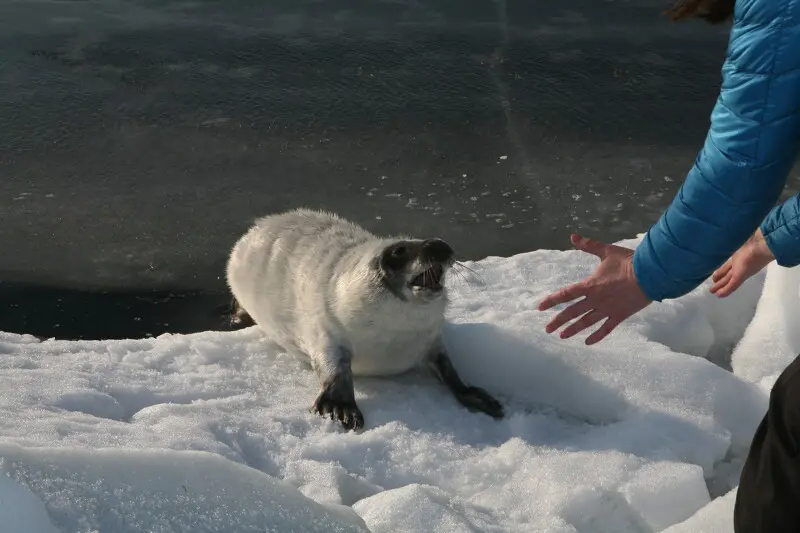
(437, 250)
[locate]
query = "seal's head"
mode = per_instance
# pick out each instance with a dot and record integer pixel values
(414, 269)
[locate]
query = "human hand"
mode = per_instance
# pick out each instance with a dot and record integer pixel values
(746, 261)
(610, 293)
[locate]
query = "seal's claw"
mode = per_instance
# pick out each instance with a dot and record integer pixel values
(477, 399)
(346, 412)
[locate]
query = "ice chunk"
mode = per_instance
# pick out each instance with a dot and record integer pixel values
(21, 511)
(665, 493)
(716, 517)
(416, 508)
(130, 491)
(772, 339)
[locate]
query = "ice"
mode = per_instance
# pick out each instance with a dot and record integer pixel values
(772, 339)
(403, 510)
(133, 491)
(666, 493)
(21, 511)
(212, 431)
(713, 518)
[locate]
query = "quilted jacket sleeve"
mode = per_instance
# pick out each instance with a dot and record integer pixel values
(742, 168)
(782, 231)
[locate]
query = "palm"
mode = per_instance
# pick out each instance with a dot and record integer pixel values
(611, 293)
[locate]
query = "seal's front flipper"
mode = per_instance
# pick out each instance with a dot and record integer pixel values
(477, 399)
(337, 399)
(473, 398)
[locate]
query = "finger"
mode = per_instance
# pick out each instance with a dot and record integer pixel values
(590, 246)
(603, 331)
(721, 271)
(588, 320)
(722, 282)
(573, 311)
(564, 295)
(734, 283)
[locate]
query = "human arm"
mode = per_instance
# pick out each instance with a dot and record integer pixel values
(748, 152)
(778, 234)
(737, 177)
(748, 260)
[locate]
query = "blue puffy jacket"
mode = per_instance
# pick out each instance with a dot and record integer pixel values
(742, 168)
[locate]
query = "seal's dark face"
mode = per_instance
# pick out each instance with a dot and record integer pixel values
(416, 268)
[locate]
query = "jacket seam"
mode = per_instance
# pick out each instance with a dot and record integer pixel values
(741, 163)
(783, 224)
(668, 236)
(709, 183)
(740, 117)
(777, 42)
(748, 24)
(738, 70)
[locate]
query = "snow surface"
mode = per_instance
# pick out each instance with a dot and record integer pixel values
(644, 432)
(773, 339)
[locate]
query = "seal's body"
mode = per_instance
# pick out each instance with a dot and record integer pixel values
(352, 302)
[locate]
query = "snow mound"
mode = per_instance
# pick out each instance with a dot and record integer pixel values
(716, 517)
(132, 491)
(21, 511)
(403, 510)
(640, 433)
(772, 339)
(665, 493)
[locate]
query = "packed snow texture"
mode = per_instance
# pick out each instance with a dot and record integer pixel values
(119, 490)
(644, 432)
(772, 340)
(713, 518)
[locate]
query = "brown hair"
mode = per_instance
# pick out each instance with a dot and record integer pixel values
(712, 11)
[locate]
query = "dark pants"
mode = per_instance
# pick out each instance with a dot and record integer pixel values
(768, 499)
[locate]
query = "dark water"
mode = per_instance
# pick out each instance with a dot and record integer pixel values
(140, 138)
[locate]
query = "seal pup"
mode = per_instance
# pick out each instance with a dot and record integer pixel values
(353, 303)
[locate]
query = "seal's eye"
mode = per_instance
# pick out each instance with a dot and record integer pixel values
(399, 252)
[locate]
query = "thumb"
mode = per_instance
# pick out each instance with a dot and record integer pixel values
(590, 246)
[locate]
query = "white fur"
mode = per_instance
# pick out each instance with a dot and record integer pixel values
(305, 278)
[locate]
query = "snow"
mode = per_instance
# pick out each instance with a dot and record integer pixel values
(21, 511)
(142, 490)
(212, 431)
(408, 508)
(773, 339)
(660, 490)
(713, 518)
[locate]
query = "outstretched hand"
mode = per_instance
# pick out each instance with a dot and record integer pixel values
(746, 261)
(610, 293)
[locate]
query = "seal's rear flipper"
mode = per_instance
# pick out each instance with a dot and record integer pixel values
(234, 316)
(473, 398)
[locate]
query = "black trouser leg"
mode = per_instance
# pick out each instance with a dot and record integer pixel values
(768, 500)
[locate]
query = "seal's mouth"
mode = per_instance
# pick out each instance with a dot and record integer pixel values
(430, 279)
